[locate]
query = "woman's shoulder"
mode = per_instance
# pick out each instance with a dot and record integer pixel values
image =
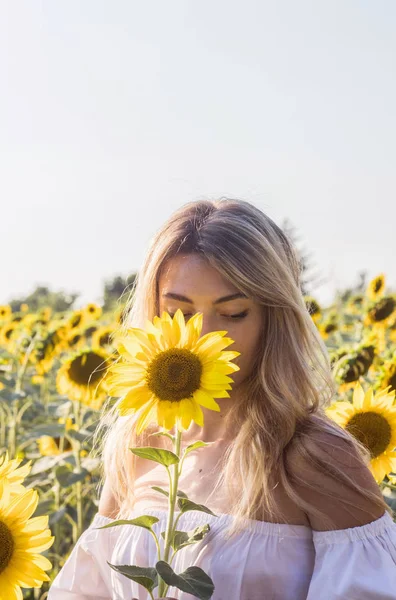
(108, 505)
(329, 473)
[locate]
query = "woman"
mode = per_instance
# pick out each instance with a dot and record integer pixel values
(299, 514)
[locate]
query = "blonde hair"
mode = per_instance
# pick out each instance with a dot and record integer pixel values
(291, 382)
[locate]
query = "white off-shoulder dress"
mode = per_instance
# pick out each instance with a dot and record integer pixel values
(267, 561)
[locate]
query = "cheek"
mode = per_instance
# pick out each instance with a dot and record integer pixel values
(248, 345)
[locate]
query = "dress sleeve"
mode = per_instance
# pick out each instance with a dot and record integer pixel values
(355, 564)
(86, 574)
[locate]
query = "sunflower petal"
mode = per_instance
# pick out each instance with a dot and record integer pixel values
(206, 400)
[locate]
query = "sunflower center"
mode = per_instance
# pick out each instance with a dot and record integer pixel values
(382, 309)
(174, 374)
(372, 429)
(377, 285)
(87, 368)
(6, 546)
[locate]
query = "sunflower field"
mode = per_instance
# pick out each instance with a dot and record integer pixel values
(53, 385)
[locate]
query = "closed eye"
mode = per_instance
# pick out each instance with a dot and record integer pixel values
(233, 317)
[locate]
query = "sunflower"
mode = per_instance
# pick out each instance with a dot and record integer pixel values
(77, 319)
(381, 312)
(22, 538)
(81, 377)
(5, 312)
(7, 335)
(392, 330)
(90, 330)
(76, 339)
(169, 372)
(120, 315)
(327, 328)
(387, 374)
(313, 308)
(45, 313)
(50, 446)
(13, 474)
(47, 446)
(93, 311)
(102, 337)
(376, 287)
(355, 303)
(372, 420)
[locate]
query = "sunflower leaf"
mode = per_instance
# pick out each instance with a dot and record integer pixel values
(159, 489)
(81, 436)
(165, 493)
(145, 576)
(66, 476)
(145, 521)
(185, 505)
(180, 539)
(193, 580)
(164, 433)
(159, 455)
(194, 446)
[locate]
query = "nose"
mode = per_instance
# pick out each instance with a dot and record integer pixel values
(209, 324)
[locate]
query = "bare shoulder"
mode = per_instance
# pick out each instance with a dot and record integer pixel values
(343, 503)
(108, 506)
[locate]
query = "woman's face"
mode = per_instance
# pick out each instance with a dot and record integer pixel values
(188, 282)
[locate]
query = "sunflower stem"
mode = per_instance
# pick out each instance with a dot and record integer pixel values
(174, 479)
(78, 484)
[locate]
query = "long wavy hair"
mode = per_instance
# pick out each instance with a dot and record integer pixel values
(290, 386)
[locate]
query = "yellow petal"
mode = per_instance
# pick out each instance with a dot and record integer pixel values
(147, 416)
(204, 399)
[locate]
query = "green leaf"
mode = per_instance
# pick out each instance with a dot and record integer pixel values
(48, 462)
(181, 494)
(181, 539)
(81, 436)
(164, 433)
(165, 493)
(145, 521)
(59, 410)
(185, 505)
(66, 476)
(145, 576)
(159, 455)
(8, 382)
(194, 446)
(192, 581)
(45, 507)
(54, 430)
(57, 516)
(160, 490)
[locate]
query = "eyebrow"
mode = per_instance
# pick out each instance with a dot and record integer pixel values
(218, 301)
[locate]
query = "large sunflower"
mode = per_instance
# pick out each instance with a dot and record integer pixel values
(22, 538)
(372, 420)
(168, 372)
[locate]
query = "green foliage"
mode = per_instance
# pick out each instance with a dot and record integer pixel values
(193, 580)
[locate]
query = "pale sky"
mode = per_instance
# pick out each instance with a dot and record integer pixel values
(113, 114)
